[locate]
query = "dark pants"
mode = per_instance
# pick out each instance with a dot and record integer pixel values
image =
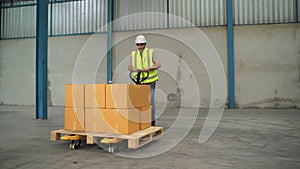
(152, 92)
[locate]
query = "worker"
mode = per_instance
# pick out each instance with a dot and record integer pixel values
(144, 60)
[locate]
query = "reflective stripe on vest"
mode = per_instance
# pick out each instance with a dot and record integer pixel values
(139, 63)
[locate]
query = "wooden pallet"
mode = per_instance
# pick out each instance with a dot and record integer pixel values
(135, 140)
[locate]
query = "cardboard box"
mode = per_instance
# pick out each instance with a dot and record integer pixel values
(127, 120)
(95, 121)
(145, 117)
(120, 121)
(127, 96)
(74, 119)
(94, 96)
(74, 96)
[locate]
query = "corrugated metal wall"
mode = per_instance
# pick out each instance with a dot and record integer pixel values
(77, 17)
(18, 21)
(74, 17)
(124, 8)
(87, 16)
(198, 12)
(264, 11)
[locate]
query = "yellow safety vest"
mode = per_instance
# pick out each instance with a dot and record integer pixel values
(144, 61)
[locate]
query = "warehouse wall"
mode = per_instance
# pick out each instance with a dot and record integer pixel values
(267, 71)
(267, 66)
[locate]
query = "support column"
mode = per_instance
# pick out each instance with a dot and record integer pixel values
(297, 10)
(41, 59)
(0, 21)
(108, 40)
(230, 48)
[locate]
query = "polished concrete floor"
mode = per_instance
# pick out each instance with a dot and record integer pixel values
(252, 139)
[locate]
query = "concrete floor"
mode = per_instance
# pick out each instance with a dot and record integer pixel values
(268, 138)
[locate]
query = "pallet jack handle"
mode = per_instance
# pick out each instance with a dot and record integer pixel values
(138, 79)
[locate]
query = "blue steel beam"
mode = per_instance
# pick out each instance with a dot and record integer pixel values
(108, 40)
(41, 59)
(297, 10)
(0, 20)
(230, 48)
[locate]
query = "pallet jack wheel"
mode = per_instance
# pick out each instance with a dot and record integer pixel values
(75, 140)
(113, 144)
(75, 144)
(112, 148)
(72, 146)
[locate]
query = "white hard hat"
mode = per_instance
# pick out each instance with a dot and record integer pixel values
(140, 39)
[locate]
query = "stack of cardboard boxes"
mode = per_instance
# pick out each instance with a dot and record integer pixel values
(74, 107)
(109, 108)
